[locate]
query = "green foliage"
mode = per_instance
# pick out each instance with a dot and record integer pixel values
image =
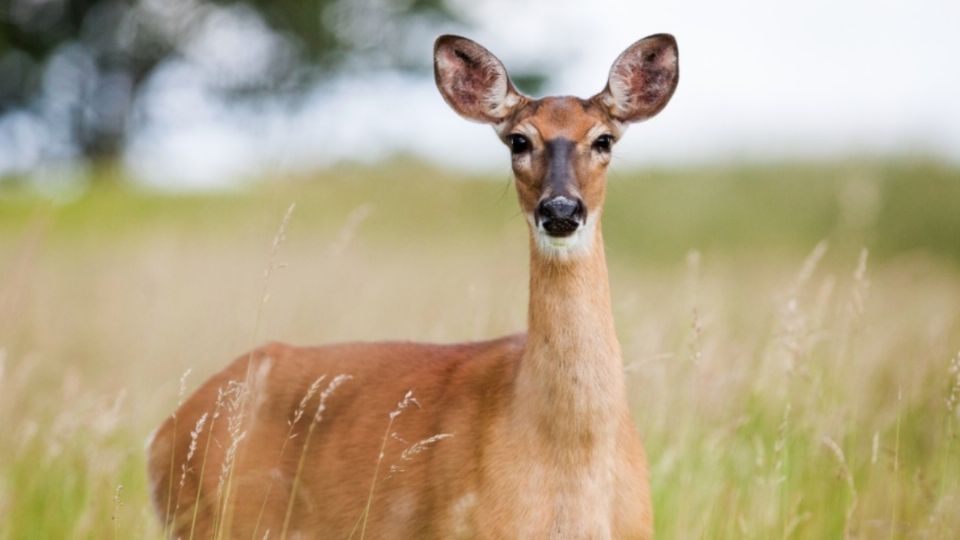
(654, 215)
(891, 208)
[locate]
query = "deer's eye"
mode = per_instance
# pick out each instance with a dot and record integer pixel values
(518, 143)
(603, 143)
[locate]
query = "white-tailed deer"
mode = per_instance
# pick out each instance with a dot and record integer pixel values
(527, 436)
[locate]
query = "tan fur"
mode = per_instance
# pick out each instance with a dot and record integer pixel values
(538, 439)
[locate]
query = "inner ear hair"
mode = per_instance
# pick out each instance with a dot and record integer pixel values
(642, 79)
(473, 81)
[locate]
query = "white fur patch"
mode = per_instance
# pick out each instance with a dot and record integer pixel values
(461, 515)
(403, 507)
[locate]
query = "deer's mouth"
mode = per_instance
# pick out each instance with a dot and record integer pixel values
(560, 228)
(563, 240)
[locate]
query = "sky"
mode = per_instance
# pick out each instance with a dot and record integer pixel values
(758, 81)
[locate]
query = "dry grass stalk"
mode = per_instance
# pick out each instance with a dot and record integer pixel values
(348, 231)
(781, 462)
(418, 447)
(185, 466)
(953, 393)
(405, 403)
(317, 418)
(239, 405)
(236, 415)
(696, 323)
(792, 329)
(292, 423)
(182, 392)
(203, 462)
(117, 503)
(861, 286)
(848, 479)
(896, 465)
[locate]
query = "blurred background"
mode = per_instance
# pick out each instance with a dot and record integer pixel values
(181, 180)
(199, 93)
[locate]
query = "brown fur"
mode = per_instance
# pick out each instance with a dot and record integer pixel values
(542, 442)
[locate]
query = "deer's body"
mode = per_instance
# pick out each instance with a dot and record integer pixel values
(536, 439)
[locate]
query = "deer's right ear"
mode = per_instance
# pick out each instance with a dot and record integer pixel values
(473, 81)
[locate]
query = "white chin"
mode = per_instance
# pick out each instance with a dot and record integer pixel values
(563, 248)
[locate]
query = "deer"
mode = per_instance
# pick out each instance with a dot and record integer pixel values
(525, 436)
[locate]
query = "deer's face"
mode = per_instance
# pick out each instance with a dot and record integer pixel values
(560, 146)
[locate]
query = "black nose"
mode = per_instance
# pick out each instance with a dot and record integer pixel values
(560, 216)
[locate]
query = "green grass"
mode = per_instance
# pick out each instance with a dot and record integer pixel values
(774, 402)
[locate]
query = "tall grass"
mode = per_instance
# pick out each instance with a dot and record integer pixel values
(788, 383)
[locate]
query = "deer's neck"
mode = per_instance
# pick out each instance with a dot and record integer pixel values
(570, 386)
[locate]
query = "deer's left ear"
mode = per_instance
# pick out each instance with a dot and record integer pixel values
(642, 79)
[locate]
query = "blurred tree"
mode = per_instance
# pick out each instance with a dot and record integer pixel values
(77, 66)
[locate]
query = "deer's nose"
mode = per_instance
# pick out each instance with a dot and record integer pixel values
(560, 216)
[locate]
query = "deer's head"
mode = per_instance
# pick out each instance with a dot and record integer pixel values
(560, 146)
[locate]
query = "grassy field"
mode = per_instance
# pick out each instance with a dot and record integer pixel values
(791, 332)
